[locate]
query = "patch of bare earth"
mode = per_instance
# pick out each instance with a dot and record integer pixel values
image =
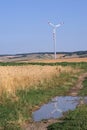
(44, 124)
(40, 125)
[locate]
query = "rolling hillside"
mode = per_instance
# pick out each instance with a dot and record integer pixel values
(42, 56)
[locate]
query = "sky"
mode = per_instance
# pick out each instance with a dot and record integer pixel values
(24, 25)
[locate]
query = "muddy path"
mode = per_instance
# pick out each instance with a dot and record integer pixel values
(73, 92)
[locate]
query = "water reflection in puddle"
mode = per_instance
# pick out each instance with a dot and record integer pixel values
(56, 107)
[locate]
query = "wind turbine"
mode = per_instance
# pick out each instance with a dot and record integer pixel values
(54, 35)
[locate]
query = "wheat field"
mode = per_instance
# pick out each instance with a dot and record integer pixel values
(20, 77)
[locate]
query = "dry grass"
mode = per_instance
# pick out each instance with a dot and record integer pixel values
(16, 77)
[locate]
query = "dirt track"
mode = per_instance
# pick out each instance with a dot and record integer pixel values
(74, 91)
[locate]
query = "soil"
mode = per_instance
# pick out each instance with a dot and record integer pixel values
(40, 125)
(43, 124)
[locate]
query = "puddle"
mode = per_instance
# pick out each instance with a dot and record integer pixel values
(57, 106)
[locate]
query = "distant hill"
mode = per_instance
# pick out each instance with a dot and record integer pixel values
(41, 56)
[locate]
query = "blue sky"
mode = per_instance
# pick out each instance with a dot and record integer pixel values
(24, 25)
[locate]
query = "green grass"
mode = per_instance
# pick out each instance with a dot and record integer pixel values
(74, 120)
(73, 64)
(8, 114)
(15, 110)
(83, 91)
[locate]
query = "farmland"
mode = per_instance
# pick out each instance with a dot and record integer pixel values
(24, 87)
(78, 56)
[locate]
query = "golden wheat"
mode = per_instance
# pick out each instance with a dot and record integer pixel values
(16, 77)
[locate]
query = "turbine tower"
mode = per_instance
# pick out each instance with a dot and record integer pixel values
(54, 35)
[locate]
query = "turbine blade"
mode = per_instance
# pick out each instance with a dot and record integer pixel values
(51, 24)
(58, 25)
